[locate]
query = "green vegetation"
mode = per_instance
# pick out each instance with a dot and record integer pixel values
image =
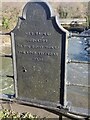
(11, 115)
(5, 23)
(9, 18)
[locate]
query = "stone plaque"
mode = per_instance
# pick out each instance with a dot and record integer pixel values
(38, 46)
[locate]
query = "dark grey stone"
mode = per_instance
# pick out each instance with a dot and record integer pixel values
(38, 46)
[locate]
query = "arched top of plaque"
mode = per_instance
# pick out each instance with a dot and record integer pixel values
(36, 9)
(38, 12)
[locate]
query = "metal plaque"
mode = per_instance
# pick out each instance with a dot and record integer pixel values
(38, 46)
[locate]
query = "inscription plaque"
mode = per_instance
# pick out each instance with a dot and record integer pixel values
(38, 56)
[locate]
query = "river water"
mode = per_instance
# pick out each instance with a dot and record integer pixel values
(77, 90)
